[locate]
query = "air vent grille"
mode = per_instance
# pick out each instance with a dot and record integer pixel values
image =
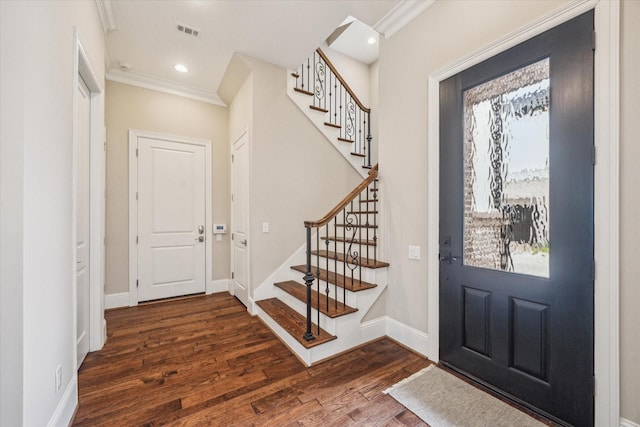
(190, 31)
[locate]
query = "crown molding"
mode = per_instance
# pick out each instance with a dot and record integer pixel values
(107, 15)
(401, 15)
(147, 81)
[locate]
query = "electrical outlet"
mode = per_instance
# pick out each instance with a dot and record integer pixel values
(58, 378)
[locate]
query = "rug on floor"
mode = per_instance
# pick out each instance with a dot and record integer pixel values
(442, 400)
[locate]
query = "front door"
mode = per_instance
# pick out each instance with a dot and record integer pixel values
(240, 206)
(516, 222)
(171, 218)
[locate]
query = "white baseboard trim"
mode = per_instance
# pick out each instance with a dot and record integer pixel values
(120, 299)
(372, 329)
(627, 423)
(416, 340)
(67, 406)
(214, 286)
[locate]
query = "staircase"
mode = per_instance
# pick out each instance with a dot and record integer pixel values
(319, 298)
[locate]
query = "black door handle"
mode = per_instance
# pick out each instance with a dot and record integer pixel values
(446, 256)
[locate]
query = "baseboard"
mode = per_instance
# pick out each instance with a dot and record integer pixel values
(120, 299)
(412, 338)
(214, 286)
(627, 423)
(372, 329)
(67, 406)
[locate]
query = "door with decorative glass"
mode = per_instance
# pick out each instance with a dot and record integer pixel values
(516, 222)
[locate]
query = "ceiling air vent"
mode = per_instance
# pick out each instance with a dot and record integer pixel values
(187, 30)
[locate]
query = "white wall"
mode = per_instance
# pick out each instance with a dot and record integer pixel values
(444, 33)
(37, 204)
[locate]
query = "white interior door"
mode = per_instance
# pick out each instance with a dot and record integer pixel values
(240, 198)
(82, 220)
(171, 218)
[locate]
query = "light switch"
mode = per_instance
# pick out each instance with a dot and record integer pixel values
(414, 252)
(265, 227)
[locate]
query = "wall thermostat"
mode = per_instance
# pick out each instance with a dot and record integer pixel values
(219, 228)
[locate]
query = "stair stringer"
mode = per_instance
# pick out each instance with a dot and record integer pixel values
(318, 118)
(349, 329)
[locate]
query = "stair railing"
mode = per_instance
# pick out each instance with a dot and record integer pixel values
(346, 239)
(331, 94)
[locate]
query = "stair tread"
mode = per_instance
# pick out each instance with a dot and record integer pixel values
(346, 140)
(332, 125)
(299, 291)
(357, 225)
(306, 92)
(369, 201)
(322, 110)
(358, 154)
(294, 323)
(296, 75)
(364, 262)
(364, 212)
(355, 286)
(368, 242)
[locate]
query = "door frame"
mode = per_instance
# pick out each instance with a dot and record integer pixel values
(232, 219)
(606, 189)
(134, 134)
(97, 325)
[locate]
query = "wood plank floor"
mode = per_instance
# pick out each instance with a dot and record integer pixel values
(205, 361)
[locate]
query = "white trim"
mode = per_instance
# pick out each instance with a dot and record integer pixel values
(403, 13)
(83, 68)
(107, 15)
(606, 350)
(133, 204)
(117, 300)
(416, 340)
(66, 408)
(627, 423)
(372, 329)
(135, 78)
(214, 286)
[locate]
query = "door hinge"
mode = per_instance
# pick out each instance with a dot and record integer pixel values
(136, 283)
(233, 275)
(594, 385)
(232, 158)
(593, 270)
(136, 152)
(231, 236)
(593, 41)
(232, 197)
(593, 155)
(136, 239)
(136, 195)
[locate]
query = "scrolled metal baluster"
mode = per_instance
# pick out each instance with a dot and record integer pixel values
(349, 119)
(352, 258)
(326, 290)
(319, 91)
(335, 259)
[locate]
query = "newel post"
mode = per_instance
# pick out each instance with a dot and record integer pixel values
(308, 280)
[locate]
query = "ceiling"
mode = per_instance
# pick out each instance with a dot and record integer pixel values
(144, 44)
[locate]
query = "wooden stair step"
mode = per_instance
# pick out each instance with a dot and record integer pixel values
(332, 125)
(323, 110)
(364, 262)
(364, 212)
(369, 201)
(351, 141)
(358, 154)
(296, 75)
(356, 241)
(305, 92)
(294, 323)
(354, 286)
(366, 167)
(357, 225)
(299, 291)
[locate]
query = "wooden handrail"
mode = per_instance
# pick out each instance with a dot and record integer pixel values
(373, 174)
(342, 80)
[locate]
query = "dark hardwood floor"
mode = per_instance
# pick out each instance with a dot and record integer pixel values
(206, 361)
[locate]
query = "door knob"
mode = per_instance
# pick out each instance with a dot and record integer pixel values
(201, 229)
(446, 256)
(201, 239)
(244, 242)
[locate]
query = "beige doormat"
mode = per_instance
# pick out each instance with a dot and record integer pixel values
(442, 400)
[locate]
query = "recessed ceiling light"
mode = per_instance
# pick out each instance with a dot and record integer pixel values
(371, 40)
(181, 68)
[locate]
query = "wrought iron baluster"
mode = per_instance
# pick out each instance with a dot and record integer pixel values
(344, 246)
(369, 138)
(375, 216)
(335, 259)
(318, 270)
(326, 289)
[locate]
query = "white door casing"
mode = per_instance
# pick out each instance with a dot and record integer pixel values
(83, 158)
(170, 216)
(240, 219)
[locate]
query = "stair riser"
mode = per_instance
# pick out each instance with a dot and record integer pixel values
(368, 274)
(326, 323)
